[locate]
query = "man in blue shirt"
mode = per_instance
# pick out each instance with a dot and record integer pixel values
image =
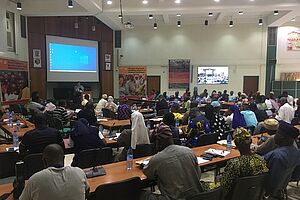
(283, 160)
(249, 116)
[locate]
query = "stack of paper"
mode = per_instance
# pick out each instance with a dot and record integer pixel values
(216, 152)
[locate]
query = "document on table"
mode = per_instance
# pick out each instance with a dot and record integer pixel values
(216, 152)
(201, 160)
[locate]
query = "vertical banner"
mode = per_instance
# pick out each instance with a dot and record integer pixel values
(179, 73)
(132, 81)
(14, 80)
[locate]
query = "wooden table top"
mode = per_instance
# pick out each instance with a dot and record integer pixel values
(9, 130)
(110, 123)
(117, 171)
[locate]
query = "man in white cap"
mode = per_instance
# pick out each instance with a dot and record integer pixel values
(101, 104)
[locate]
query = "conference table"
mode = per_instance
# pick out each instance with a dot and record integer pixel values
(27, 126)
(116, 172)
(113, 123)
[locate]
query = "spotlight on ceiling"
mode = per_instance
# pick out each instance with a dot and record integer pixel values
(230, 23)
(178, 23)
(241, 12)
(120, 16)
(19, 5)
(206, 22)
(178, 14)
(293, 19)
(210, 14)
(155, 26)
(177, 1)
(276, 12)
(150, 16)
(145, 2)
(217, 0)
(70, 4)
(260, 21)
(109, 2)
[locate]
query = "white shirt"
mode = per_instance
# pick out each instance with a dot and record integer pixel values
(66, 183)
(101, 104)
(286, 113)
(290, 100)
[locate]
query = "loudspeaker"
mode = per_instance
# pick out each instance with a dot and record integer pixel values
(23, 26)
(117, 39)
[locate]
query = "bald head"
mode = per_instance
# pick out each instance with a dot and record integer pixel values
(53, 154)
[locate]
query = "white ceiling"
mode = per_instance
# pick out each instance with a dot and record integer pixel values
(164, 11)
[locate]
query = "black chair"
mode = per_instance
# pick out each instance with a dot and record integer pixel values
(33, 163)
(108, 113)
(124, 190)
(296, 175)
(216, 194)
(249, 188)
(207, 138)
(7, 164)
(162, 112)
(177, 141)
(143, 150)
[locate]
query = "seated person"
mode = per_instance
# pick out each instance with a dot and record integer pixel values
(248, 164)
(194, 111)
(111, 105)
(186, 103)
(36, 140)
(236, 119)
(85, 100)
(249, 116)
(175, 168)
(101, 104)
(269, 126)
(282, 161)
(85, 137)
(216, 121)
(196, 127)
(50, 106)
(88, 113)
(61, 113)
(261, 115)
(169, 120)
(35, 105)
(138, 134)
(161, 104)
(56, 181)
(124, 111)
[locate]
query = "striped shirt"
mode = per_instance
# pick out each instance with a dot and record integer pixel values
(61, 113)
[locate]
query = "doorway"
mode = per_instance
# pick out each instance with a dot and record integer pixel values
(153, 83)
(250, 84)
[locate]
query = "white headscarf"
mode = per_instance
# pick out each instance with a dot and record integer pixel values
(139, 131)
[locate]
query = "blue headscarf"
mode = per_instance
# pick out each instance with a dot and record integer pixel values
(238, 119)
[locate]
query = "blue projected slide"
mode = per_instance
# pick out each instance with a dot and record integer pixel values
(72, 58)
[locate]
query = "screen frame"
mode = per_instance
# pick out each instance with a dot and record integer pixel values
(60, 76)
(213, 67)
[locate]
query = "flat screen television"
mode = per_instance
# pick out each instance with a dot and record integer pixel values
(71, 60)
(212, 75)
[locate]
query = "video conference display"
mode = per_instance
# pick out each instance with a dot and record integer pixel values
(212, 75)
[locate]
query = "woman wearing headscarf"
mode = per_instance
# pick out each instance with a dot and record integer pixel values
(111, 105)
(169, 120)
(237, 119)
(248, 164)
(85, 137)
(138, 134)
(217, 122)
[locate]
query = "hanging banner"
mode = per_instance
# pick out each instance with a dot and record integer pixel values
(132, 81)
(179, 73)
(293, 41)
(14, 80)
(290, 76)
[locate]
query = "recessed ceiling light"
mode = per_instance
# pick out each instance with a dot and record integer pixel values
(241, 12)
(210, 14)
(19, 6)
(293, 19)
(252, 0)
(206, 22)
(155, 26)
(230, 23)
(260, 21)
(120, 16)
(217, 0)
(178, 23)
(276, 12)
(145, 2)
(150, 16)
(109, 2)
(178, 14)
(177, 1)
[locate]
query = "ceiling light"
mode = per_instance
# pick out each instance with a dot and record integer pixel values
(217, 0)
(230, 23)
(177, 1)
(293, 19)
(70, 4)
(19, 6)
(109, 2)
(206, 22)
(241, 12)
(260, 21)
(120, 16)
(178, 14)
(179, 24)
(276, 12)
(155, 26)
(252, 0)
(210, 14)
(150, 16)
(145, 2)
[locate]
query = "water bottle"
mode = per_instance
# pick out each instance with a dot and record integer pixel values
(176, 122)
(18, 126)
(10, 119)
(15, 139)
(148, 124)
(129, 161)
(229, 142)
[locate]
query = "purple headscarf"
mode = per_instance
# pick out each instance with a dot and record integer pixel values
(238, 119)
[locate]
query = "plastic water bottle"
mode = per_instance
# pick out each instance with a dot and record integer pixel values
(148, 124)
(15, 138)
(18, 126)
(176, 122)
(10, 119)
(229, 142)
(129, 161)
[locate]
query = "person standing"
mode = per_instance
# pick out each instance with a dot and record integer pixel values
(286, 111)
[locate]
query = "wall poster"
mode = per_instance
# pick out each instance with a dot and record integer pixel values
(132, 81)
(179, 73)
(293, 40)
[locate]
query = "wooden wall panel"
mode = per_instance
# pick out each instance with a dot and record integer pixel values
(52, 26)
(107, 34)
(67, 25)
(83, 28)
(36, 25)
